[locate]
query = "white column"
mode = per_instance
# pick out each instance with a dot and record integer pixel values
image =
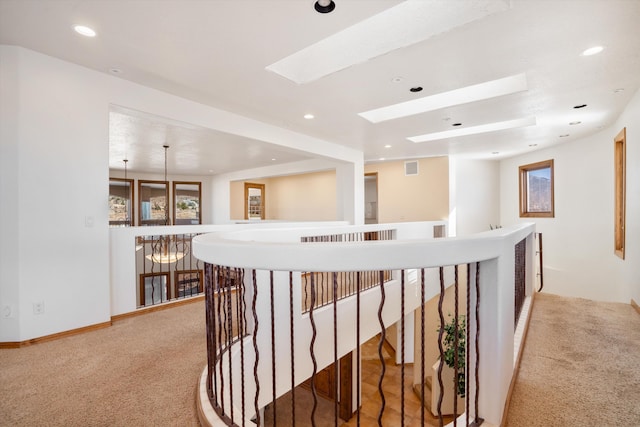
(220, 199)
(350, 192)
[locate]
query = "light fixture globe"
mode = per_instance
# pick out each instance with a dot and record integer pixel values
(324, 6)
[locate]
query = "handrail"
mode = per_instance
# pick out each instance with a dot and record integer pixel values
(237, 248)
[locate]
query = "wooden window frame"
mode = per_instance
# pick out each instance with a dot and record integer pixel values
(620, 166)
(143, 299)
(524, 190)
(175, 199)
(176, 285)
(131, 202)
(152, 221)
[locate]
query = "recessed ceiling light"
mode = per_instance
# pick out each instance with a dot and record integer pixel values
(381, 158)
(456, 124)
(592, 50)
(273, 160)
(564, 135)
(577, 122)
(85, 31)
(495, 152)
(533, 145)
(464, 95)
(416, 89)
(621, 89)
(387, 146)
(324, 6)
(579, 106)
(309, 116)
(397, 79)
(473, 130)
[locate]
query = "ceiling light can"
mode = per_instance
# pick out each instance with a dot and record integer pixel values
(324, 6)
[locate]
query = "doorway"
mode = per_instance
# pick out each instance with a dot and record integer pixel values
(371, 198)
(253, 201)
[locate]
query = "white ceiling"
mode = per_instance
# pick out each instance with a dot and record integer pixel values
(216, 52)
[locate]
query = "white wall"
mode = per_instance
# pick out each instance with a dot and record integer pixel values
(474, 195)
(59, 236)
(9, 213)
(578, 243)
(630, 276)
(55, 174)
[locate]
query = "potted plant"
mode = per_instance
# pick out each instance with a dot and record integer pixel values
(450, 350)
(453, 382)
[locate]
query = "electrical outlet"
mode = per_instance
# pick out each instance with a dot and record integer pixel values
(7, 312)
(38, 307)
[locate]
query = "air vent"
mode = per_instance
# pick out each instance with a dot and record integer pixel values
(411, 168)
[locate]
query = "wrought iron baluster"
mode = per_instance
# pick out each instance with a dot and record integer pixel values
(477, 420)
(230, 337)
(380, 345)
(273, 347)
(312, 353)
(255, 346)
(440, 348)
(455, 348)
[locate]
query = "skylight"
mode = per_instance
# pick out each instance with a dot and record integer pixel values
(407, 23)
(474, 130)
(486, 90)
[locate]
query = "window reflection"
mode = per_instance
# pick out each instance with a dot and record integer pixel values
(153, 202)
(186, 207)
(120, 202)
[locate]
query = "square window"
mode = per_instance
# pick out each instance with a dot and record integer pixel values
(536, 190)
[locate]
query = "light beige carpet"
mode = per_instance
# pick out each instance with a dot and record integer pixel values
(141, 371)
(580, 365)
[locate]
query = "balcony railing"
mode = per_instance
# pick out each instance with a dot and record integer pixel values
(153, 266)
(166, 269)
(262, 345)
(347, 283)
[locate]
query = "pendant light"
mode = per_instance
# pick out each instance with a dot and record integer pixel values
(161, 253)
(128, 186)
(166, 204)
